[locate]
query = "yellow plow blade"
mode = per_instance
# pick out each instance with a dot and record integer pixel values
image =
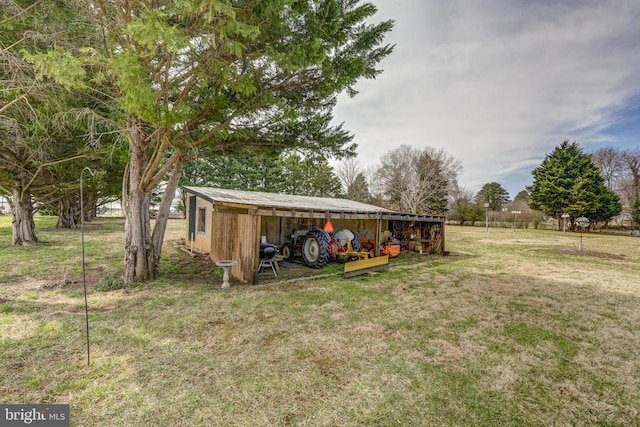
(367, 265)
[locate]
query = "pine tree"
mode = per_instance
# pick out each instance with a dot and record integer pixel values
(493, 194)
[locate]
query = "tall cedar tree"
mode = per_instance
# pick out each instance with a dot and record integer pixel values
(568, 181)
(205, 76)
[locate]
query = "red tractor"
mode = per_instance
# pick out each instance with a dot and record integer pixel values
(317, 247)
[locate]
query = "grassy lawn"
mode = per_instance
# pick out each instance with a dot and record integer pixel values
(513, 328)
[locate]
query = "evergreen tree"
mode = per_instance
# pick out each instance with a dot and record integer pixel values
(494, 194)
(523, 195)
(309, 177)
(247, 170)
(568, 181)
(46, 134)
(464, 209)
(196, 78)
(251, 170)
(359, 190)
(635, 212)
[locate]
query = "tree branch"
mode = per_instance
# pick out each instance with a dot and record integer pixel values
(45, 165)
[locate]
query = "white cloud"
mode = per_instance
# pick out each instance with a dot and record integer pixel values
(498, 84)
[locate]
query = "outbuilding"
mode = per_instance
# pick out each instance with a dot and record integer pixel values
(231, 224)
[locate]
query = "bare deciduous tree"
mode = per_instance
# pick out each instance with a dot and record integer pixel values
(418, 181)
(630, 190)
(610, 162)
(347, 171)
(463, 208)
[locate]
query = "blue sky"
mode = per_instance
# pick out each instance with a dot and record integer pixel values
(500, 83)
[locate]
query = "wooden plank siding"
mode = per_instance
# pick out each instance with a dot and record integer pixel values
(201, 239)
(234, 237)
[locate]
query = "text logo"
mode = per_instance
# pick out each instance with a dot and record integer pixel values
(34, 415)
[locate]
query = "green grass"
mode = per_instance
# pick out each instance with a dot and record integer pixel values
(513, 328)
(59, 253)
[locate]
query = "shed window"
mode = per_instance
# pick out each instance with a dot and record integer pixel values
(202, 220)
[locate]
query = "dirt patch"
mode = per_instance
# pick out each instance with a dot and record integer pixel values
(105, 309)
(59, 284)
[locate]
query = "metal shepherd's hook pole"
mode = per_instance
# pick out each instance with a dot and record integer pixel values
(84, 274)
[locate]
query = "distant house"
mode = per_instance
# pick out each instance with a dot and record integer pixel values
(113, 208)
(230, 224)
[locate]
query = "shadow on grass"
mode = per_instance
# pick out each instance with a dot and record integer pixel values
(406, 260)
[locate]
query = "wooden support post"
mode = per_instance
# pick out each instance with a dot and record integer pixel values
(256, 250)
(378, 235)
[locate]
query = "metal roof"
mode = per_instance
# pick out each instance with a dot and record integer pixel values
(284, 201)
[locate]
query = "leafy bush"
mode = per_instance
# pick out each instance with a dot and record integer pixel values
(110, 283)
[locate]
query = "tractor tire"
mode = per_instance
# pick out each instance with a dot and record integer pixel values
(341, 237)
(355, 243)
(356, 246)
(315, 249)
(287, 252)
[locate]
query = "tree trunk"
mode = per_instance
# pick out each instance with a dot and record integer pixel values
(138, 246)
(135, 200)
(147, 167)
(90, 209)
(162, 216)
(92, 212)
(68, 213)
(23, 227)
